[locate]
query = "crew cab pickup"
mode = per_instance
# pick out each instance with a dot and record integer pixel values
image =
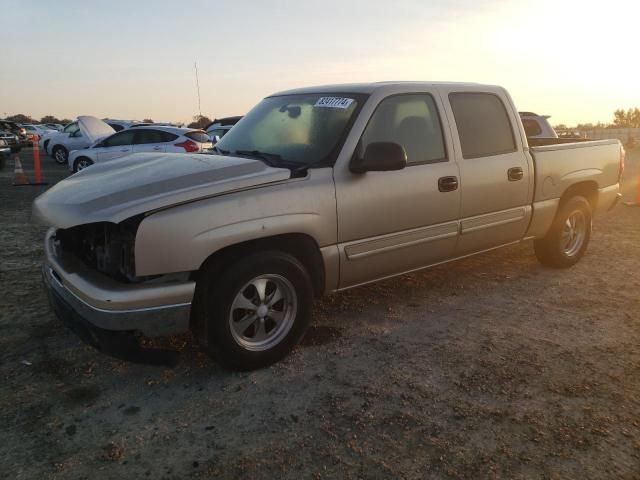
(316, 190)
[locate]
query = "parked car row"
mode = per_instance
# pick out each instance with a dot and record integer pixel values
(89, 140)
(157, 139)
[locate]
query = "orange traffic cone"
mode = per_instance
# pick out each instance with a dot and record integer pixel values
(19, 178)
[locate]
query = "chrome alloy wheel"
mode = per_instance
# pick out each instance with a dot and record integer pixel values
(263, 312)
(574, 232)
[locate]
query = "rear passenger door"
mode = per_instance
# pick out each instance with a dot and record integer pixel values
(151, 140)
(495, 173)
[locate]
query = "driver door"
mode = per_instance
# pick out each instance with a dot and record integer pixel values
(397, 221)
(116, 146)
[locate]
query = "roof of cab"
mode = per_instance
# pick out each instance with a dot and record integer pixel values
(368, 88)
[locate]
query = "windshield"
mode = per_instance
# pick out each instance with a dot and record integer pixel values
(294, 131)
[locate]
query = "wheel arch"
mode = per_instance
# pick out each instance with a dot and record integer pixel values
(77, 160)
(301, 245)
(587, 189)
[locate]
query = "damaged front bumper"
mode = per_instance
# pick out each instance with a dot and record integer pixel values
(110, 315)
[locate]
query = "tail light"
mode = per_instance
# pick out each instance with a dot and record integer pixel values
(188, 146)
(622, 155)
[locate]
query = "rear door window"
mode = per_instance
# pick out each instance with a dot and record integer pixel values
(145, 136)
(483, 124)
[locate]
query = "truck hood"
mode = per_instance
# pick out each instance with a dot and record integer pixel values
(93, 128)
(116, 190)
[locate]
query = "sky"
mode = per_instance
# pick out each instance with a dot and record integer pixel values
(575, 60)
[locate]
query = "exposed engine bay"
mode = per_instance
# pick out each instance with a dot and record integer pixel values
(106, 247)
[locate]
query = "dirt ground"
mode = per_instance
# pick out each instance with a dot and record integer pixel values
(490, 367)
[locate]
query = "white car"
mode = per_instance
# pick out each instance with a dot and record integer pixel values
(36, 130)
(86, 131)
(141, 139)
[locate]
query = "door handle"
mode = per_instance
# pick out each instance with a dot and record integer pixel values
(156, 148)
(514, 174)
(124, 149)
(447, 184)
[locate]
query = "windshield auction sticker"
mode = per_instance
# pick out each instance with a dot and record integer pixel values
(334, 102)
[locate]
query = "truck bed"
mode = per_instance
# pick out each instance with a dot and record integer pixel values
(561, 165)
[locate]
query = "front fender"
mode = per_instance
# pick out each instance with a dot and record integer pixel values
(181, 238)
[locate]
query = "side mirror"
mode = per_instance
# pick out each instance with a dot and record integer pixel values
(380, 157)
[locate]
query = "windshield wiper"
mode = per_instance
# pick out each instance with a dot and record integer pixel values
(271, 159)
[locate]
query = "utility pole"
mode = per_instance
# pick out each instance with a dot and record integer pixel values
(198, 89)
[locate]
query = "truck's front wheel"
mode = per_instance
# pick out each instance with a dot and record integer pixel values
(257, 310)
(567, 239)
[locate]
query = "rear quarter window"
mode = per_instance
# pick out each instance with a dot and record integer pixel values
(198, 136)
(168, 137)
(531, 127)
(483, 124)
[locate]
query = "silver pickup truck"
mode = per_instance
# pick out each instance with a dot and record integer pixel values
(316, 190)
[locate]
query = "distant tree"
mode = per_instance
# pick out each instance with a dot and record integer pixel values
(199, 121)
(147, 120)
(65, 121)
(620, 118)
(560, 126)
(20, 118)
(49, 119)
(626, 119)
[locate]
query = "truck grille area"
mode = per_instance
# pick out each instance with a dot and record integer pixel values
(105, 247)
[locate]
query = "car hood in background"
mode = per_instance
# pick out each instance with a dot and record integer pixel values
(93, 128)
(138, 183)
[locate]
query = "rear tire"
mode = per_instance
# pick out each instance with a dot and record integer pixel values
(255, 311)
(569, 235)
(60, 154)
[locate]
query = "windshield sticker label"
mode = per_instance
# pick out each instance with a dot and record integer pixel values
(334, 102)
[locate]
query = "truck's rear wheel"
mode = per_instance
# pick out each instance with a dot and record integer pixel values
(569, 235)
(257, 310)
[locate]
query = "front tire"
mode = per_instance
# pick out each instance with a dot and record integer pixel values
(60, 154)
(81, 163)
(257, 310)
(569, 235)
